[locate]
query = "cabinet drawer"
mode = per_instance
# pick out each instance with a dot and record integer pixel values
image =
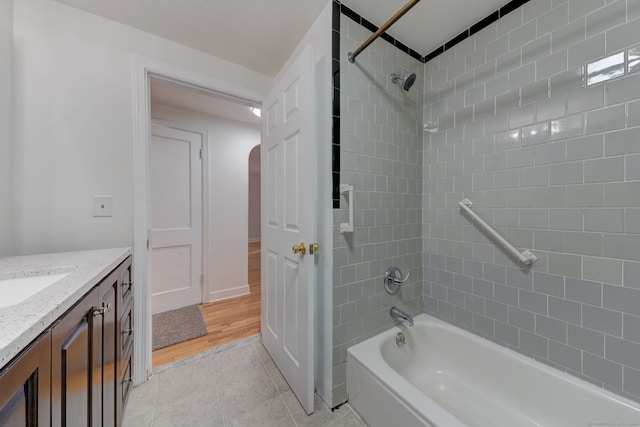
(126, 331)
(126, 286)
(124, 386)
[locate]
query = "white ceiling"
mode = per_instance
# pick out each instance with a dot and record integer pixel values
(430, 23)
(258, 34)
(262, 34)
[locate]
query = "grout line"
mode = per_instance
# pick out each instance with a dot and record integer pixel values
(288, 410)
(153, 406)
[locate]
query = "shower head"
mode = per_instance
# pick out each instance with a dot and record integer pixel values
(407, 82)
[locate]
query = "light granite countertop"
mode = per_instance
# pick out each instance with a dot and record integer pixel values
(23, 322)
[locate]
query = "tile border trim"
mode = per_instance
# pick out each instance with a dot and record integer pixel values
(354, 16)
(483, 23)
(340, 9)
(480, 25)
(335, 110)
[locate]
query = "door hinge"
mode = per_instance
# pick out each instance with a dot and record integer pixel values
(202, 280)
(201, 154)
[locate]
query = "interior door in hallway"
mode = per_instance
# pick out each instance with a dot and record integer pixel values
(288, 219)
(176, 218)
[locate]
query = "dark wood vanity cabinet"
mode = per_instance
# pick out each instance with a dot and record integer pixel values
(25, 387)
(79, 372)
(86, 358)
(116, 291)
(108, 365)
(124, 339)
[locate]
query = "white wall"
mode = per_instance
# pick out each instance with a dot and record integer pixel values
(228, 145)
(73, 132)
(254, 195)
(73, 122)
(6, 118)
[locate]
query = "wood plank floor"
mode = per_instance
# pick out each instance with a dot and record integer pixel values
(226, 321)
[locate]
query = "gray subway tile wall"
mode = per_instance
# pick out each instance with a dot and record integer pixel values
(381, 151)
(540, 130)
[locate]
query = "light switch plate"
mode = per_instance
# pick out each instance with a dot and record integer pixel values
(102, 206)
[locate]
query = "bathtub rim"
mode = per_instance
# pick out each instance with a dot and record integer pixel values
(404, 390)
(438, 416)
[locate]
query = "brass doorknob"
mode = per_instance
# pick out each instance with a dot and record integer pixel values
(299, 249)
(314, 248)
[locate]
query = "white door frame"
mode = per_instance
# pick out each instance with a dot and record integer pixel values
(142, 70)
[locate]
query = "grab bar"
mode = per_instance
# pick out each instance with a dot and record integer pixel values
(347, 227)
(525, 256)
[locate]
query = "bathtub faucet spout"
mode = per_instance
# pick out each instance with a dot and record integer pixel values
(400, 315)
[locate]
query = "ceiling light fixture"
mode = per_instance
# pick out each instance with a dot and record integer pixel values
(256, 111)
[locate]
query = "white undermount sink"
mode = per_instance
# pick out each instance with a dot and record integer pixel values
(17, 289)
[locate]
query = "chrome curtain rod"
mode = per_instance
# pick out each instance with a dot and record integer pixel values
(352, 55)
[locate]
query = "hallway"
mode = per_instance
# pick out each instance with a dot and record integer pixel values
(226, 321)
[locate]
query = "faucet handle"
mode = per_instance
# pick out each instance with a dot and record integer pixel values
(393, 279)
(396, 280)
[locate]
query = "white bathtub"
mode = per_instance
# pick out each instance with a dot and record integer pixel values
(447, 377)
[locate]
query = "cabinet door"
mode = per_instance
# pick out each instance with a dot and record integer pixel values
(25, 387)
(73, 366)
(106, 384)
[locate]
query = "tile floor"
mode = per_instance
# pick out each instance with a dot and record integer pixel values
(238, 386)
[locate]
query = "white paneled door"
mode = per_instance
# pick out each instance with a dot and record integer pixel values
(288, 220)
(176, 218)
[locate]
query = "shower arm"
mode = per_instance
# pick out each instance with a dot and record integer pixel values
(352, 55)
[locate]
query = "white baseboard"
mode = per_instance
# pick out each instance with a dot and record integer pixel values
(254, 240)
(229, 293)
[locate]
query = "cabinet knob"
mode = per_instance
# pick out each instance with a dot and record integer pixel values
(103, 310)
